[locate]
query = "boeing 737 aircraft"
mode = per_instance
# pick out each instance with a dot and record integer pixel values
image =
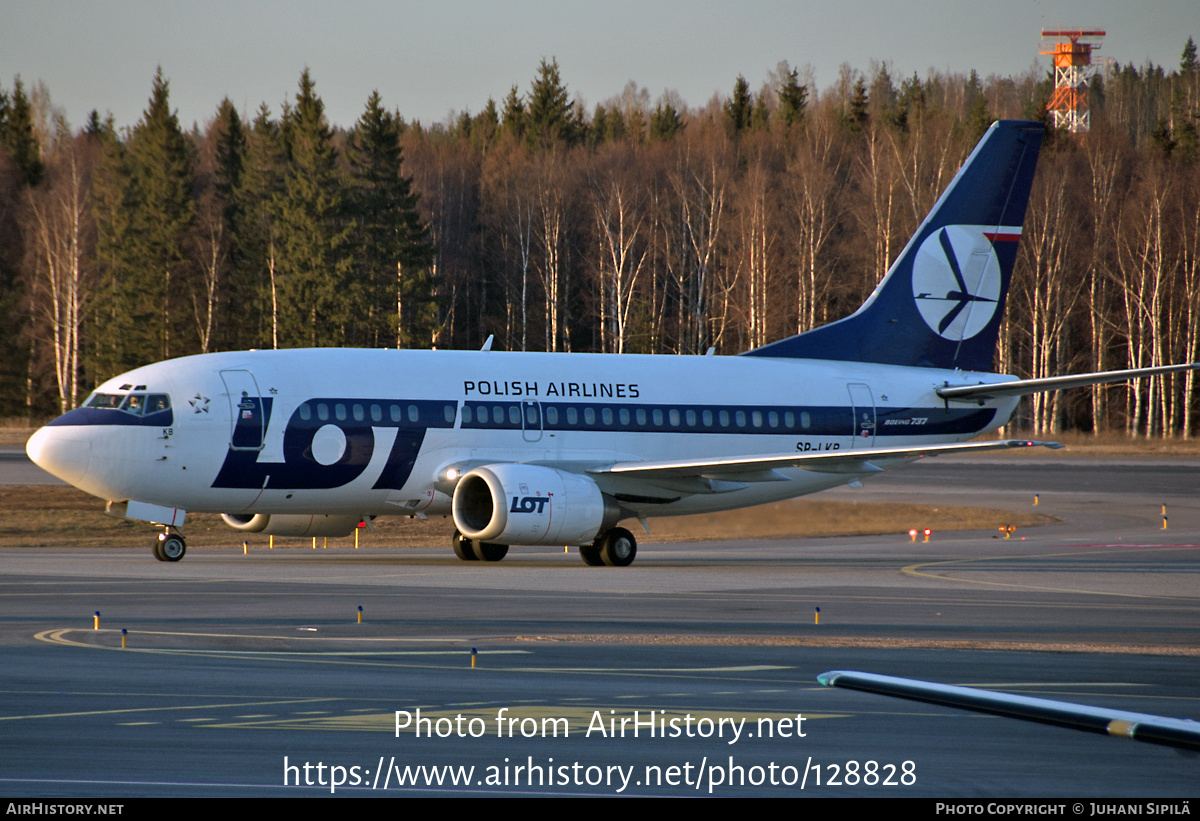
(557, 449)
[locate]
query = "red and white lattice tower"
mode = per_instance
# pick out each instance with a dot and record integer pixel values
(1072, 70)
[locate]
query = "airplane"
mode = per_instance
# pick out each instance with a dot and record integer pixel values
(558, 449)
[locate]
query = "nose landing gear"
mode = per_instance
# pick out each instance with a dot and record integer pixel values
(170, 547)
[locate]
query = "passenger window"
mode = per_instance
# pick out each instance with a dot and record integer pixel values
(756, 419)
(394, 412)
(740, 418)
(658, 417)
(789, 419)
(448, 412)
(589, 416)
(305, 412)
(572, 416)
(641, 417)
(674, 416)
(498, 414)
(624, 414)
(707, 416)
(805, 420)
(552, 415)
(773, 419)
(467, 415)
(723, 417)
(481, 412)
(376, 413)
(690, 416)
(322, 411)
(514, 415)
(358, 412)
(339, 410)
(606, 416)
(414, 415)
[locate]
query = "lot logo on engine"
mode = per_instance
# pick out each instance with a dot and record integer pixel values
(528, 504)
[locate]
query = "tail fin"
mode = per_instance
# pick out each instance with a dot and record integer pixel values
(942, 301)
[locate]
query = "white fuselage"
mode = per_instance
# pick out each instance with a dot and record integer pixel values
(372, 432)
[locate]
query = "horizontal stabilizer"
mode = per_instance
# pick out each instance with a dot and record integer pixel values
(1170, 732)
(1022, 387)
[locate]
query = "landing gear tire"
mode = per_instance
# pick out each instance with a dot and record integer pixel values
(618, 548)
(463, 548)
(170, 547)
(488, 552)
(590, 553)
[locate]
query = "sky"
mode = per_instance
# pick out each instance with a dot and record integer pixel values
(428, 59)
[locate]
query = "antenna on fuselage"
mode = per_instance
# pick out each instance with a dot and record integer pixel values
(487, 345)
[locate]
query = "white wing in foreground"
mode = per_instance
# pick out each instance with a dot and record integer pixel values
(1180, 733)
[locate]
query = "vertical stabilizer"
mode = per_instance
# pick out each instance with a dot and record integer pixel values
(942, 301)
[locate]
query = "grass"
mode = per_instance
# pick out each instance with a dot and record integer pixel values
(58, 516)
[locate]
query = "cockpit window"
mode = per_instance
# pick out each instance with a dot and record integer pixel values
(105, 400)
(136, 404)
(156, 402)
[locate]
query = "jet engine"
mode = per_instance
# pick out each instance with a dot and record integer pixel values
(292, 524)
(531, 505)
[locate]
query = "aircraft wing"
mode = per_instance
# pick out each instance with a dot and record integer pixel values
(761, 468)
(1021, 387)
(1180, 733)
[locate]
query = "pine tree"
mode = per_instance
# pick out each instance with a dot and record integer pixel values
(514, 117)
(397, 303)
(665, 123)
(256, 301)
(485, 126)
(1188, 63)
(16, 134)
(238, 291)
(315, 288)
(550, 119)
(793, 98)
(143, 210)
(761, 115)
(857, 112)
(739, 106)
(978, 117)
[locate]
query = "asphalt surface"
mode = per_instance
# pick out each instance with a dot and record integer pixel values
(240, 670)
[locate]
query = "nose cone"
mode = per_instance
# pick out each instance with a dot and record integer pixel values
(65, 452)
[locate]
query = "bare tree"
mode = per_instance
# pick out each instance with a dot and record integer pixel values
(811, 190)
(61, 233)
(618, 204)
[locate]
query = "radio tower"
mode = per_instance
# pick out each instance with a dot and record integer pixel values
(1072, 70)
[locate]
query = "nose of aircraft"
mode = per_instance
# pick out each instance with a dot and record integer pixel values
(64, 451)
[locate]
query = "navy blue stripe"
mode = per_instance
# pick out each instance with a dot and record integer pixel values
(111, 416)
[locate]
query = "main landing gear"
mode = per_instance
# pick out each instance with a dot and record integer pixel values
(615, 548)
(470, 550)
(170, 547)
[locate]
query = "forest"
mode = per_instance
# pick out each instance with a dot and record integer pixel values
(636, 225)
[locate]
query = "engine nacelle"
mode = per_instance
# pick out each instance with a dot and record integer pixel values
(530, 504)
(292, 524)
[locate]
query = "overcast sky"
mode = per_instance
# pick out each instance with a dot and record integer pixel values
(427, 59)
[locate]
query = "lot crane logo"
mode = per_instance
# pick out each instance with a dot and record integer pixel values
(956, 281)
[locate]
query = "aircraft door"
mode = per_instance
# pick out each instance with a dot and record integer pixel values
(248, 419)
(531, 421)
(862, 406)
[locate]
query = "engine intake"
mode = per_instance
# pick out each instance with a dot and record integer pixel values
(531, 505)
